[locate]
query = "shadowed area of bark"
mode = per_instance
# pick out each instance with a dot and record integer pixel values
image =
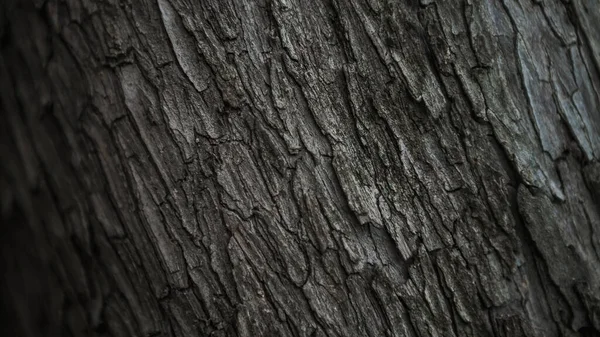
(300, 168)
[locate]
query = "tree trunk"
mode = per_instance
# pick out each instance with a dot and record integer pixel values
(300, 168)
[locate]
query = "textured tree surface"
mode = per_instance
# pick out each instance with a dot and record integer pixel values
(300, 167)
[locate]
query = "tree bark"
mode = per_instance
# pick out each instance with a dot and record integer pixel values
(300, 168)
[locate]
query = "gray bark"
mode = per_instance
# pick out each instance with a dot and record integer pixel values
(300, 168)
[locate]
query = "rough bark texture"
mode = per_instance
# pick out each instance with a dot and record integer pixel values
(300, 168)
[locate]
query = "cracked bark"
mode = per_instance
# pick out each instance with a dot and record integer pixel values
(300, 168)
